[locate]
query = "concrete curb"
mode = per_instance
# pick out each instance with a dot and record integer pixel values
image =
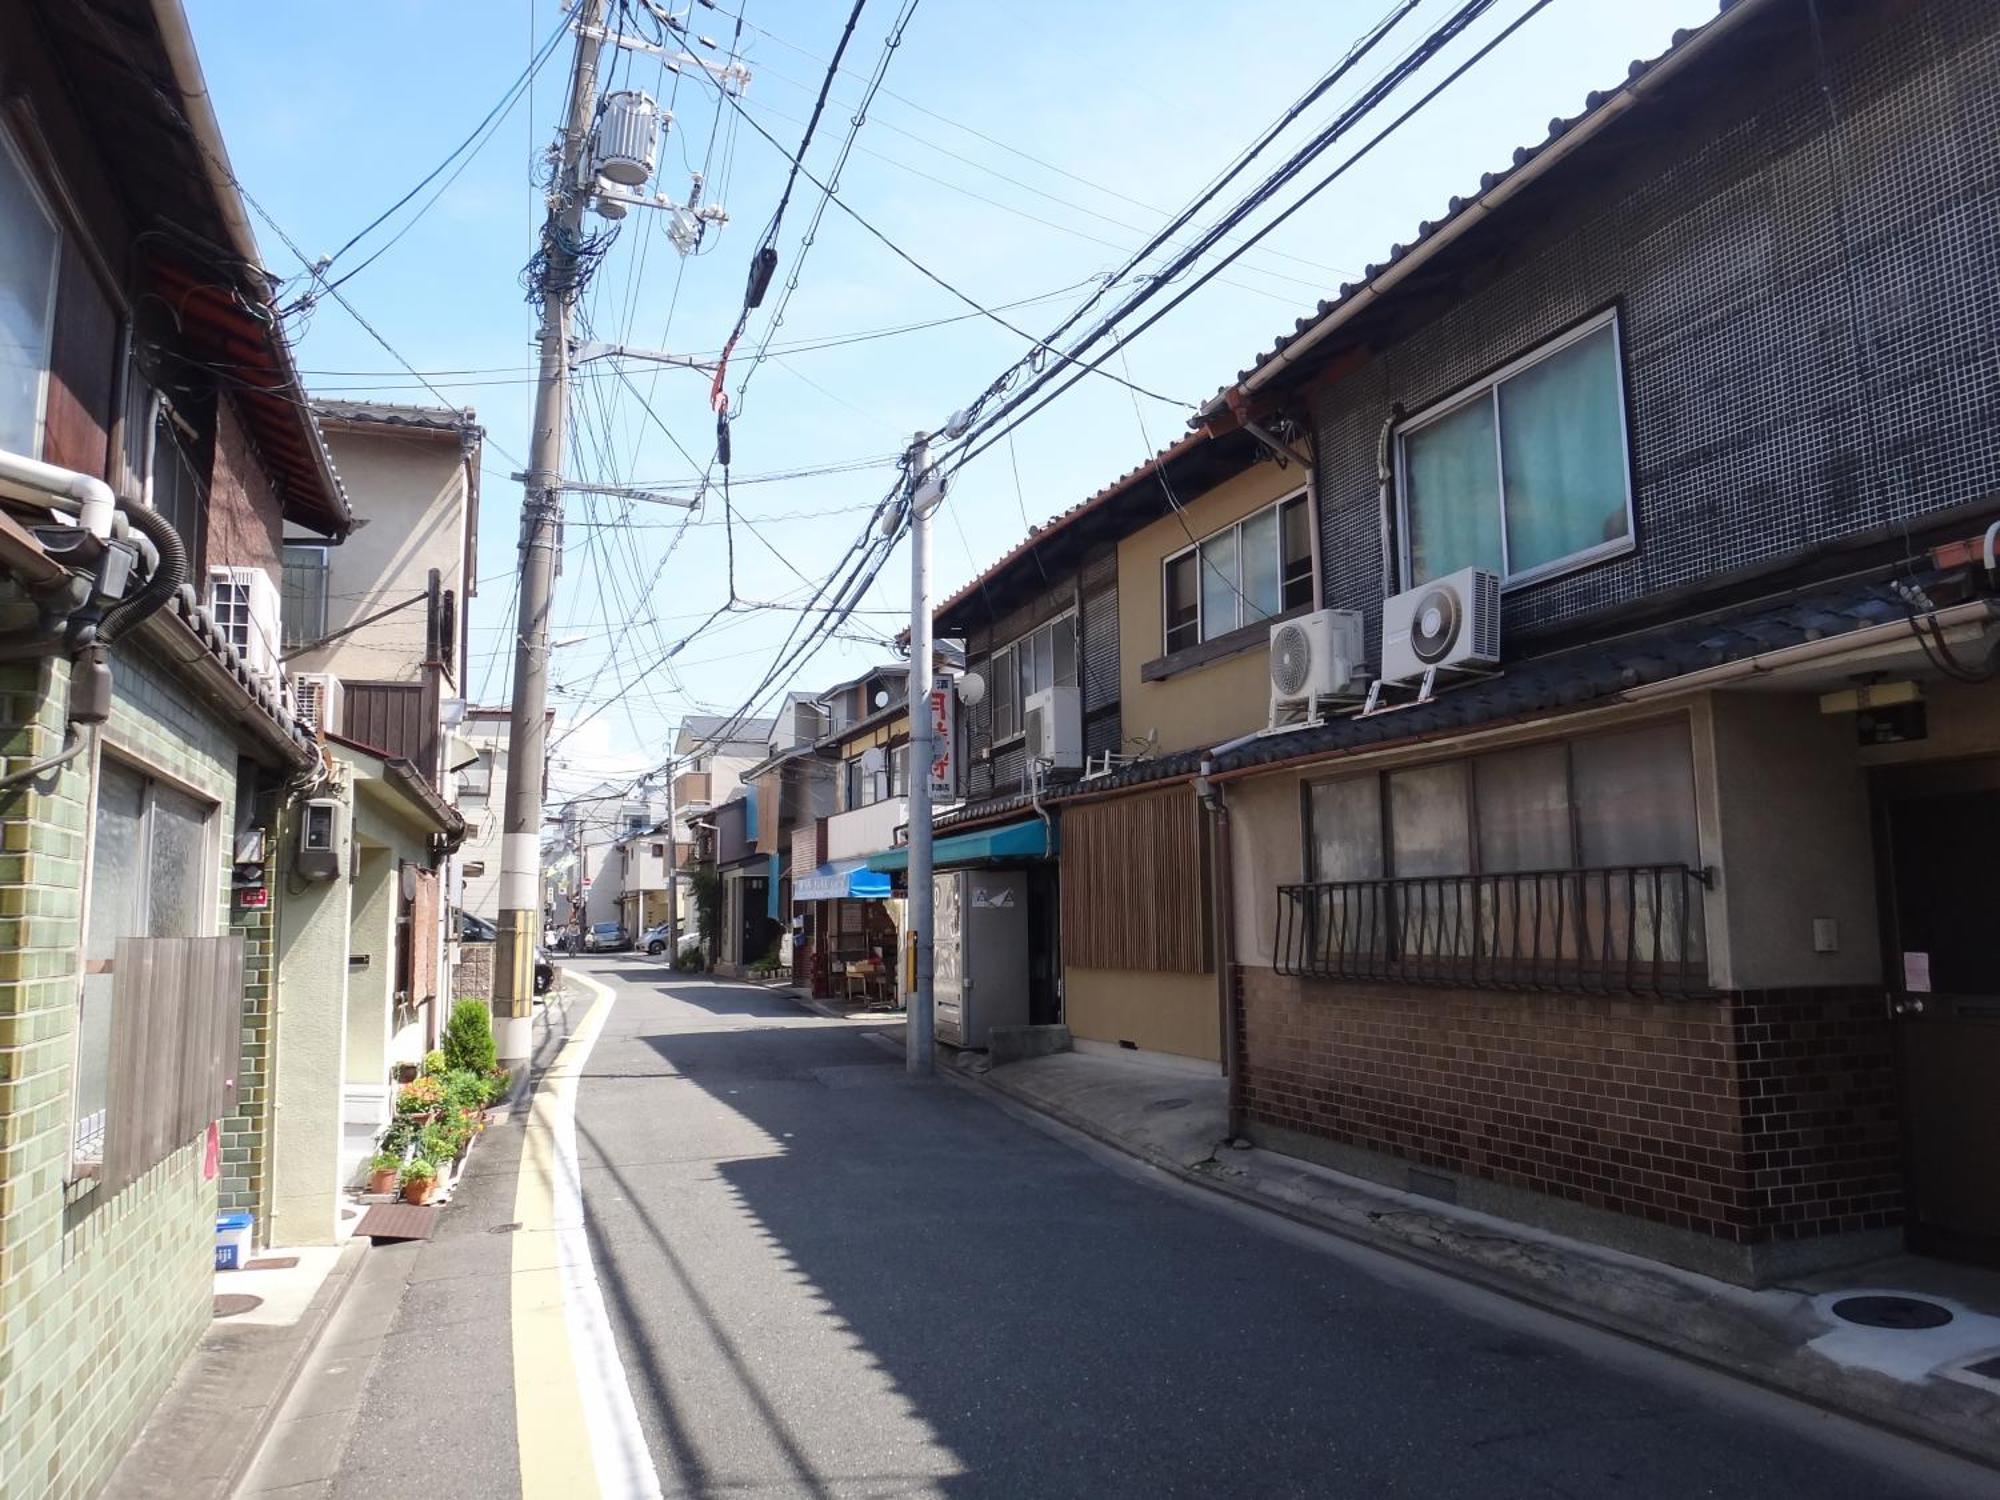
(1707, 1323)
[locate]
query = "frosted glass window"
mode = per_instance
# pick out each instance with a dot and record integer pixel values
(176, 859)
(1427, 821)
(1527, 471)
(1347, 829)
(27, 294)
(1524, 821)
(1218, 585)
(1262, 595)
(1635, 798)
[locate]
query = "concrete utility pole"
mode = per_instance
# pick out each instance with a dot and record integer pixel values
(541, 517)
(924, 497)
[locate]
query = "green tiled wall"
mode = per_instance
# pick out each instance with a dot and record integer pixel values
(100, 1301)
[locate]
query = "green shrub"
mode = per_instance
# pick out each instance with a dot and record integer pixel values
(419, 1170)
(385, 1161)
(434, 1063)
(688, 960)
(468, 1038)
(419, 1096)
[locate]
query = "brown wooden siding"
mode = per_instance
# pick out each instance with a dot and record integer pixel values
(1133, 877)
(397, 719)
(175, 1029)
(82, 355)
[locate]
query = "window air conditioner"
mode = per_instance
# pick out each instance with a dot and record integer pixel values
(1054, 723)
(244, 604)
(1450, 622)
(1315, 658)
(319, 695)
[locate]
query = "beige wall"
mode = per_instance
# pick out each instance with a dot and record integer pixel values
(409, 489)
(1174, 1013)
(1211, 703)
(1796, 843)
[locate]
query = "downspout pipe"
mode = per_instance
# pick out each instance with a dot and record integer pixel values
(1222, 903)
(1385, 479)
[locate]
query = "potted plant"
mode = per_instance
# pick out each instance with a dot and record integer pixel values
(419, 1100)
(419, 1178)
(384, 1171)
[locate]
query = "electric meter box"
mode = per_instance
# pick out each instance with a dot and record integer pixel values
(322, 838)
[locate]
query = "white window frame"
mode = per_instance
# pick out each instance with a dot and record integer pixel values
(1020, 705)
(1276, 507)
(41, 201)
(1484, 389)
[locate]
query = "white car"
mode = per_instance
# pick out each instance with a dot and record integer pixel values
(657, 939)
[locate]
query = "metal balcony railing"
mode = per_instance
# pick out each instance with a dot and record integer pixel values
(1630, 929)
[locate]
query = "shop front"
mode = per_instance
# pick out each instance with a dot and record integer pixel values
(847, 923)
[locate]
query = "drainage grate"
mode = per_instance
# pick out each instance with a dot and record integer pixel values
(1908, 1313)
(229, 1304)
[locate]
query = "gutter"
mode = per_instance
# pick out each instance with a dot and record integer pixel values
(1550, 155)
(174, 639)
(407, 779)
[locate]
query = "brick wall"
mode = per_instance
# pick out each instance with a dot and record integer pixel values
(245, 523)
(101, 1299)
(246, 1133)
(1747, 1119)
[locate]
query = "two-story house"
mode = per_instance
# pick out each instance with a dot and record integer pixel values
(148, 397)
(711, 753)
(1658, 912)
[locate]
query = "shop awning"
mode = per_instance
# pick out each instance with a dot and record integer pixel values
(849, 880)
(1028, 839)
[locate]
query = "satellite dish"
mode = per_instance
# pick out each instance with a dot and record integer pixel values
(881, 697)
(972, 689)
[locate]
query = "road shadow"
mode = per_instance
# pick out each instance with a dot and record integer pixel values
(1061, 1328)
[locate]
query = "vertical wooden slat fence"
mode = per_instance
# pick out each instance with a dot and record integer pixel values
(174, 1036)
(1133, 883)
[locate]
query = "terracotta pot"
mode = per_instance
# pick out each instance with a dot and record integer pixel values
(419, 1191)
(383, 1182)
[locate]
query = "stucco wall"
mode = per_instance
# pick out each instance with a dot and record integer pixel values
(310, 1053)
(370, 986)
(411, 489)
(1157, 1012)
(1796, 843)
(1211, 703)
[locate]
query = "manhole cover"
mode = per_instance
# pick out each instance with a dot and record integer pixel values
(1164, 1104)
(1891, 1312)
(273, 1263)
(505, 1228)
(229, 1304)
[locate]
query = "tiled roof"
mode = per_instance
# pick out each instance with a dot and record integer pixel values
(392, 414)
(185, 607)
(1595, 105)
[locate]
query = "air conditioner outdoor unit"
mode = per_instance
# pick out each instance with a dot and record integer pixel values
(1054, 722)
(1450, 623)
(244, 604)
(1314, 659)
(319, 695)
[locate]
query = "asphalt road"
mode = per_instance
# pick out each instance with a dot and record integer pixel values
(826, 1279)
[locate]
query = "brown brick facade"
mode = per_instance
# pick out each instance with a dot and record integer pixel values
(1747, 1118)
(245, 523)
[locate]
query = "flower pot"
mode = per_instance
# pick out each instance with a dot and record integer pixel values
(383, 1182)
(419, 1191)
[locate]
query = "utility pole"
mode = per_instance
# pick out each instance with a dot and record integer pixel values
(923, 498)
(527, 743)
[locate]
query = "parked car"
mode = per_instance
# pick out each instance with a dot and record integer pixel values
(605, 937)
(657, 938)
(473, 929)
(545, 971)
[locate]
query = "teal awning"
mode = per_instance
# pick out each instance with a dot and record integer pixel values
(849, 880)
(1028, 839)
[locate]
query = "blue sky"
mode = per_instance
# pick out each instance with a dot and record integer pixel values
(1016, 151)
